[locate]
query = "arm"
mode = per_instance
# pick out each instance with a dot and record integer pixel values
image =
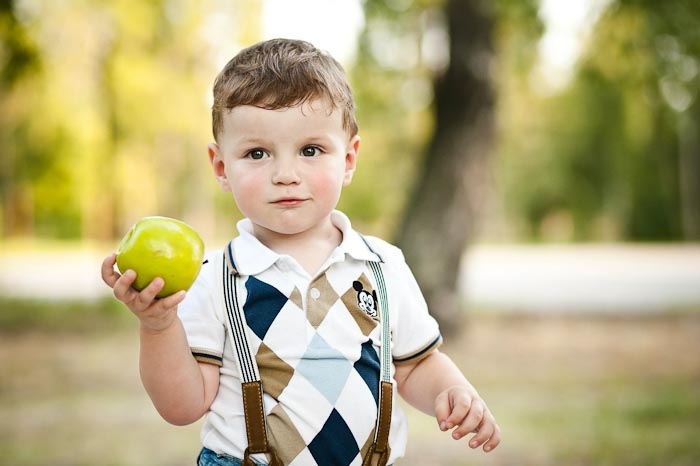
(181, 389)
(436, 386)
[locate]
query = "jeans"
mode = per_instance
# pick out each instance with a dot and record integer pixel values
(210, 458)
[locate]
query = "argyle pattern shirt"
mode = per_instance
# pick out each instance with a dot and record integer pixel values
(316, 341)
(317, 352)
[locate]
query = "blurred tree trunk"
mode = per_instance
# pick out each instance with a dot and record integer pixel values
(442, 212)
(689, 172)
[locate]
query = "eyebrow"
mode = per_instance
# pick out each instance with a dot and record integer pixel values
(247, 139)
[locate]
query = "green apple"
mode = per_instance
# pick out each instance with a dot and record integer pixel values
(161, 247)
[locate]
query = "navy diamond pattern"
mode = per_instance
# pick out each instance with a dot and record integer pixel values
(262, 306)
(368, 368)
(334, 445)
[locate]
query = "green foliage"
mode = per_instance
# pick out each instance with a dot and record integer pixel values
(104, 117)
(600, 159)
(18, 50)
(113, 126)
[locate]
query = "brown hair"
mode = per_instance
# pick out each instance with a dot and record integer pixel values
(282, 73)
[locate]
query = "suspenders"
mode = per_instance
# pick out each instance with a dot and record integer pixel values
(256, 431)
(379, 451)
(250, 377)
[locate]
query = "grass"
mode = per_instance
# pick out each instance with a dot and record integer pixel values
(572, 390)
(657, 426)
(28, 315)
(579, 390)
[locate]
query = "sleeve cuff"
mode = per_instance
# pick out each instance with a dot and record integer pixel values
(208, 357)
(416, 356)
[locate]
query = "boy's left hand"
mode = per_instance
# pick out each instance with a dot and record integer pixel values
(463, 410)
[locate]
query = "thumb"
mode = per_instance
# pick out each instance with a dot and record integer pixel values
(443, 410)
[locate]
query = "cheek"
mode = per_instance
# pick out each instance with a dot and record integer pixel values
(246, 190)
(330, 184)
(327, 191)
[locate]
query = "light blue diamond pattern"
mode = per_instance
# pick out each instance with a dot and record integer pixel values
(326, 368)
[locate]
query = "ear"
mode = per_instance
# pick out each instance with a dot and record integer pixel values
(217, 164)
(351, 154)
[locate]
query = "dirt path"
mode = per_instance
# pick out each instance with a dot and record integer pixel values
(599, 278)
(516, 278)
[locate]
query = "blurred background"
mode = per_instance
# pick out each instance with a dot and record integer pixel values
(537, 161)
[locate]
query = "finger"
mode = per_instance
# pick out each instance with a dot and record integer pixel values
(489, 431)
(122, 287)
(471, 422)
(494, 440)
(109, 275)
(461, 408)
(145, 297)
(172, 301)
(484, 431)
(442, 411)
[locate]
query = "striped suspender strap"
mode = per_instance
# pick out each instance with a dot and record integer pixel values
(378, 454)
(250, 377)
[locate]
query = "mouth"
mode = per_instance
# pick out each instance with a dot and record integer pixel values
(288, 202)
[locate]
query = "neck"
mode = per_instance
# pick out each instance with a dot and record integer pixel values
(310, 249)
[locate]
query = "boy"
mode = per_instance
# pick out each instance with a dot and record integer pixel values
(286, 145)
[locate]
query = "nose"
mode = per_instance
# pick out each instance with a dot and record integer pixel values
(285, 171)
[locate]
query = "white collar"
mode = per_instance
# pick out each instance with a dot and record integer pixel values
(248, 256)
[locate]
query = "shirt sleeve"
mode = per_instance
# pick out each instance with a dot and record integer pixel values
(415, 333)
(201, 312)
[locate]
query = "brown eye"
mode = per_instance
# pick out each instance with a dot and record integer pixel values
(256, 154)
(310, 151)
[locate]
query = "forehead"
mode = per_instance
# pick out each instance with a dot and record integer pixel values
(317, 113)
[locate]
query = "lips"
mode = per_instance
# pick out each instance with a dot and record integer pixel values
(288, 201)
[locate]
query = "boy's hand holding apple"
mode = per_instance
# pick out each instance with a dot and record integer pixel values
(159, 259)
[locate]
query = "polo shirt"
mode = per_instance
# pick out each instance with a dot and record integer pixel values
(316, 340)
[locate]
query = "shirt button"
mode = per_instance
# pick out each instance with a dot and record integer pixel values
(315, 293)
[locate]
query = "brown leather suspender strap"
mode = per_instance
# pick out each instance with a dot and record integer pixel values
(255, 416)
(255, 424)
(379, 451)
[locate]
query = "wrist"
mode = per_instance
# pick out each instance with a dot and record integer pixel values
(156, 327)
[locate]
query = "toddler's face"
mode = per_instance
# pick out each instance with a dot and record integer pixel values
(286, 168)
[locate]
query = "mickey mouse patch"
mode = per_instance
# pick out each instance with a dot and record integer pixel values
(365, 300)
